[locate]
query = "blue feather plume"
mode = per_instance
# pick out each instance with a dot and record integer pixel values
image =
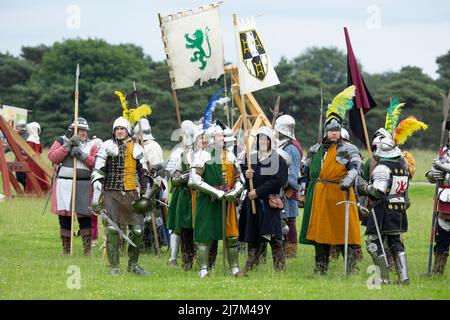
(209, 111)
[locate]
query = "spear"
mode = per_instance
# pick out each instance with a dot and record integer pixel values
(141, 142)
(74, 176)
(276, 111)
(320, 135)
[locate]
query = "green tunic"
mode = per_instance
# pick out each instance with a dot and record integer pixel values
(179, 215)
(314, 172)
(208, 212)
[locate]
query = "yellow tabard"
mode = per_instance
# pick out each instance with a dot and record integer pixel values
(327, 222)
(129, 170)
(229, 174)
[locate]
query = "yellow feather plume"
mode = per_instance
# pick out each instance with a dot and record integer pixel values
(342, 102)
(393, 115)
(406, 128)
(133, 115)
(136, 114)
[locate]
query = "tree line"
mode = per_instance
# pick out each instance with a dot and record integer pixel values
(42, 79)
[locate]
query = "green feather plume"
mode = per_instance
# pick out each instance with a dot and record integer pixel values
(393, 115)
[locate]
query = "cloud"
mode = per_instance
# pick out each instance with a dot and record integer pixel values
(410, 33)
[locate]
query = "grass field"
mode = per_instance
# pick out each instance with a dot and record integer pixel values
(31, 267)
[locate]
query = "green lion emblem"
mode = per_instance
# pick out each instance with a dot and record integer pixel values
(197, 43)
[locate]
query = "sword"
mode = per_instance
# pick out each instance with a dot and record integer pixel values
(347, 214)
(113, 225)
(375, 221)
(367, 211)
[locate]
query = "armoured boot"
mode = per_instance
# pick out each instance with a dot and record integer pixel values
(65, 240)
(380, 262)
(401, 266)
(279, 261)
(440, 260)
(86, 238)
(378, 259)
(233, 256)
(112, 250)
(136, 235)
(253, 254)
(202, 258)
(175, 240)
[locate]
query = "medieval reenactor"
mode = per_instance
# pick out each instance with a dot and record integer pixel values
(440, 173)
(270, 174)
(34, 141)
(61, 154)
(180, 213)
(332, 167)
(217, 177)
(387, 193)
(285, 127)
(118, 163)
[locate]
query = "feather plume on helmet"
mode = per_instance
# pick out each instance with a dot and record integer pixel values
(395, 132)
(132, 115)
(337, 109)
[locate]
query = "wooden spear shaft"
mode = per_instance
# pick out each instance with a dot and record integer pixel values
(247, 146)
(366, 135)
(74, 177)
(152, 213)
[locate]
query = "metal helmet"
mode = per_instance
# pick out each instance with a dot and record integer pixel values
(229, 136)
(146, 129)
(21, 124)
(141, 205)
(384, 146)
(122, 122)
(82, 124)
(333, 125)
(345, 135)
(285, 125)
(187, 132)
(212, 131)
(198, 131)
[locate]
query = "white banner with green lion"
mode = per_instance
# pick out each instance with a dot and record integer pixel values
(194, 46)
(255, 70)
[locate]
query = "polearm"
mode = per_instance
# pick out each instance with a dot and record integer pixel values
(445, 109)
(320, 134)
(74, 175)
(247, 146)
(276, 111)
(141, 142)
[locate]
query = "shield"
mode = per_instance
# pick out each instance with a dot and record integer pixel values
(253, 54)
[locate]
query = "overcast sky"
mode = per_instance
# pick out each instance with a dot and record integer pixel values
(385, 35)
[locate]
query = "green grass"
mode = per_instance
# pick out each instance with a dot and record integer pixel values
(31, 267)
